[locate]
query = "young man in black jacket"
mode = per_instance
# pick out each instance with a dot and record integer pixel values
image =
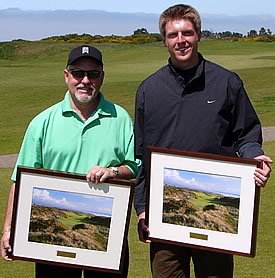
(192, 104)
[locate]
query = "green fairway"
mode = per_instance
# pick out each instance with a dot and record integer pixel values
(202, 199)
(260, 266)
(32, 80)
(32, 77)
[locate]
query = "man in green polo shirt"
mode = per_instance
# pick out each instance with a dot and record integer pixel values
(83, 134)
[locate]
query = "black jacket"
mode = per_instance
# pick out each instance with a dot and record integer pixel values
(211, 113)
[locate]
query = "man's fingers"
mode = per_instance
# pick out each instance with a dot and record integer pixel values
(143, 231)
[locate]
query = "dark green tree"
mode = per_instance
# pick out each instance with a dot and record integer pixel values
(252, 33)
(262, 32)
(206, 34)
(141, 31)
(268, 31)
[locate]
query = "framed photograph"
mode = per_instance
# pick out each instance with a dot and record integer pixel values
(60, 218)
(202, 201)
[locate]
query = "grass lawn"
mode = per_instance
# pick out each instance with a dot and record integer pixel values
(202, 199)
(32, 80)
(32, 77)
(262, 266)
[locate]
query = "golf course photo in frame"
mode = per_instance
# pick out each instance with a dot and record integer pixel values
(202, 201)
(62, 219)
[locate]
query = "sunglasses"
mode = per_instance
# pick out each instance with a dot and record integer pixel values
(80, 74)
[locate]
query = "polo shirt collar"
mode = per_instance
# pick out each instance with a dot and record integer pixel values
(102, 106)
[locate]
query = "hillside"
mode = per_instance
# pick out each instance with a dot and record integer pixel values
(215, 212)
(69, 228)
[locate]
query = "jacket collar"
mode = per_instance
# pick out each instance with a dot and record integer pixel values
(199, 69)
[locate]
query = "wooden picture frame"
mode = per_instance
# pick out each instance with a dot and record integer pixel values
(60, 218)
(202, 201)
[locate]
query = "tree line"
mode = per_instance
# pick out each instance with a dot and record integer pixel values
(262, 33)
(141, 36)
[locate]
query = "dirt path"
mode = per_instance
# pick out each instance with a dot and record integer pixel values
(8, 161)
(269, 133)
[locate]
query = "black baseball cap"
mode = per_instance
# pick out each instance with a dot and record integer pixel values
(84, 51)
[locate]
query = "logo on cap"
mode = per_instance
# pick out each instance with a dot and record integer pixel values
(85, 49)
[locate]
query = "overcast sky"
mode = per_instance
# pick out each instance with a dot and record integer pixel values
(40, 19)
(232, 7)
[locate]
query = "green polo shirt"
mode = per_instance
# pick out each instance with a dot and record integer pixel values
(58, 139)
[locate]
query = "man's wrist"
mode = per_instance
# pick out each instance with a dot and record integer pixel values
(115, 171)
(141, 216)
